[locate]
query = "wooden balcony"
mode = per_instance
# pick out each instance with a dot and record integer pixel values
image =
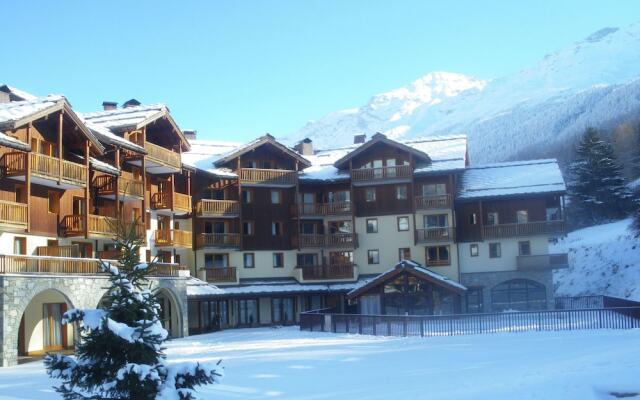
(58, 251)
(399, 173)
(523, 229)
(13, 215)
(335, 240)
(109, 254)
(268, 177)
(221, 274)
(218, 208)
(544, 261)
(438, 263)
(128, 189)
(160, 160)
(433, 202)
(99, 226)
(45, 170)
(218, 240)
(445, 234)
(173, 238)
(324, 209)
(169, 269)
(177, 203)
(327, 272)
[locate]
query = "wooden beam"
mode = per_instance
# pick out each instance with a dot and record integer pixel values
(60, 126)
(117, 178)
(27, 178)
(87, 154)
(240, 201)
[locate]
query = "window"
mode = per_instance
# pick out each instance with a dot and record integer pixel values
(306, 259)
(404, 254)
(247, 196)
(249, 260)
(282, 309)
(339, 196)
(247, 312)
(248, 228)
(340, 257)
(21, 194)
(474, 300)
(518, 294)
(308, 228)
(372, 225)
(522, 216)
(340, 227)
(176, 225)
(474, 250)
(176, 259)
(276, 197)
(401, 192)
(436, 221)
(373, 257)
(216, 260)
(524, 248)
(438, 256)
(434, 189)
(20, 245)
(278, 260)
(494, 250)
(249, 164)
(553, 213)
(473, 219)
(276, 228)
(370, 194)
(54, 202)
(492, 218)
(403, 224)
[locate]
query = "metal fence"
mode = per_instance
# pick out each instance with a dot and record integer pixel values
(581, 302)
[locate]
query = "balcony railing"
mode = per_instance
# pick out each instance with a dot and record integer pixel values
(98, 226)
(43, 166)
(523, 229)
(12, 213)
(109, 254)
(127, 187)
(324, 272)
(444, 234)
(218, 240)
(339, 240)
(162, 156)
(58, 251)
(218, 208)
(173, 237)
(217, 274)
(268, 177)
(176, 202)
(381, 173)
(544, 261)
(324, 209)
(438, 263)
(433, 202)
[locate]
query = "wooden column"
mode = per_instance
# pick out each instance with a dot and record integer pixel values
(353, 207)
(412, 199)
(173, 189)
(87, 153)
(238, 165)
(117, 178)
(144, 179)
(296, 205)
(60, 126)
(27, 177)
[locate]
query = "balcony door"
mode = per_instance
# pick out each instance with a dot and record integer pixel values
(340, 227)
(53, 333)
(164, 223)
(340, 257)
(216, 260)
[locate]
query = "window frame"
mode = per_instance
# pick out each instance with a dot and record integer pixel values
(249, 198)
(401, 251)
(398, 192)
(473, 246)
(497, 246)
(370, 256)
(277, 226)
(279, 196)
(439, 262)
(404, 217)
(277, 256)
(252, 257)
(374, 225)
(520, 244)
(251, 224)
(368, 199)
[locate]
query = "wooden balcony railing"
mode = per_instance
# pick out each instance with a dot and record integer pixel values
(544, 261)
(339, 240)
(218, 208)
(109, 254)
(217, 274)
(218, 240)
(167, 269)
(12, 213)
(433, 202)
(381, 173)
(13, 164)
(181, 202)
(99, 225)
(444, 234)
(171, 201)
(58, 251)
(322, 272)
(438, 263)
(43, 166)
(160, 155)
(173, 237)
(324, 209)
(127, 187)
(268, 177)
(523, 229)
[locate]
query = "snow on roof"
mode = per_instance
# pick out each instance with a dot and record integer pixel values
(204, 153)
(19, 93)
(126, 118)
(106, 136)
(8, 141)
(264, 139)
(103, 166)
(17, 110)
(511, 178)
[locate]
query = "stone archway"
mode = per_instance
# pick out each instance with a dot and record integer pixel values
(170, 312)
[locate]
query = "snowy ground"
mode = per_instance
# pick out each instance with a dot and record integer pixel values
(289, 364)
(603, 259)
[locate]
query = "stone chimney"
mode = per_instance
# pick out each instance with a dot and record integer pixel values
(190, 134)
(359, 139)
(131, 103)
(304, 147)
(109, 105)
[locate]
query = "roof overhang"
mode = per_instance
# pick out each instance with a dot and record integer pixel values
(379, 138)
(263, 140)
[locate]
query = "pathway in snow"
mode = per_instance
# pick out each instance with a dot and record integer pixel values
(288, 364)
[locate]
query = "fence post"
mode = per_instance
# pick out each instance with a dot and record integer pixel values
(404, 326)
(360, 324)
(450, 326)
(539, 321)
(374, 326)
(421, 326)
(600, 318)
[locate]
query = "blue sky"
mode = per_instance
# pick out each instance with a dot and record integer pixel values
(234, 70)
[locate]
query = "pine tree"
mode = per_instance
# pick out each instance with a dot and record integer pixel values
(120, 353)
(597, 191)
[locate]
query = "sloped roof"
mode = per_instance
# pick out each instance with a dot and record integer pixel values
(16, 94)
(134, 117)
(18, 113)
(377, 139)
(413, 268)
(106, 136)
(262, 140)
(510, 179)
(8, 141)
(204, 153)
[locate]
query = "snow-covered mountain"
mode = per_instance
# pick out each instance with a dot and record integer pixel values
(593, 82)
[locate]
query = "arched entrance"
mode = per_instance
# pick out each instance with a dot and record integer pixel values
(170, 313)
(41, 329)
(520, 295)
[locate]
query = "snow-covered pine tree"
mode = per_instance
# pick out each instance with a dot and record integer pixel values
(597, 189)
(119, 355)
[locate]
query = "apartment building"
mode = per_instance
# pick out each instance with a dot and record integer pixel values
(252, 234)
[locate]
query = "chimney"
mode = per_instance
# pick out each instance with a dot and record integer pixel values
(190, 134)
(109, 105)
(4, 97)
(304, 147)
(131, 103)
(359, 139)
